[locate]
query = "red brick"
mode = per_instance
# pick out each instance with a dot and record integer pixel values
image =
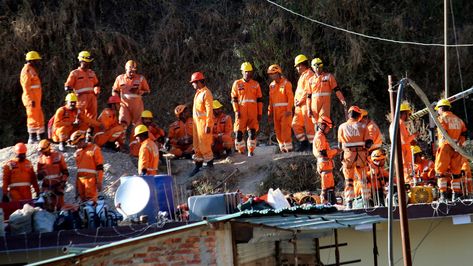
(178, 263)
(139, 255)
(189, 245)
(148, 260)
(193, 262)
(154, 248)
(123, 262)
(192, 239)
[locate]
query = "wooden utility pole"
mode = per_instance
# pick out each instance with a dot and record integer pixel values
(445, 48)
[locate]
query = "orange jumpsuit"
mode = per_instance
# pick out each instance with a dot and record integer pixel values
(467, 178)
(148, 157)
(281, 102)
(406, 139)
(222, 133)
(31, 99)
(302, 125)
(130, 91)
(424, 172)
(447, 160)
(89, 163)
(247, 100)
(324, 155)
(374, 134)
(319, 90)
(155, 133)
(202, 115)
(18, 177)
(53, 168)
(352, 136)
(180, 137)
(83, 83)
(378, 179)
(63, 123)
(112, 131)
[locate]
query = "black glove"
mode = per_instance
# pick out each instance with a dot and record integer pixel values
(40, 176)
(5, 199)
(144, 171)
(368, 143)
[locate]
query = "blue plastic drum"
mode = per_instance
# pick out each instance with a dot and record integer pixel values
(161, 198)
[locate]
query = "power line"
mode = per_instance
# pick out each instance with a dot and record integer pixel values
(365, 35)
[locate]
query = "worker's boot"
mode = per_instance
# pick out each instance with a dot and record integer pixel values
(196, 169)
(62, 146)
(228, 152)
(210, 164)
(443, 197)
(303, 145)
(349, 205)
(31, 138)
(331, 197)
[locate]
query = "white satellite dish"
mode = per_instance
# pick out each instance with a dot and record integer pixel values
(132, 196)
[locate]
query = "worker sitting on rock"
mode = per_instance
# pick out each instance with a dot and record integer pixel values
(89, 162)
(222, 131)
(324, 155)
(19, 176)
(69, 119)
(52, 171)
(113, 134)
(148, 158)
(155, 133)
(423, 169)
(180, 133)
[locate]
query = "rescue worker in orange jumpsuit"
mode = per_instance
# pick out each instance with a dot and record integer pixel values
(467, 177)
(447, 160)
(113, 134)
(248, 107)
(52, 171)
(319, 91)
(68, 119)
(180, 133)
(324, 155)
(302, 125)
(281, 102)
(85, 85)
(423, 168)
(89, 162)
(203, 117)
(222, 131)
(19, 176)
(373, 131)
(378, 175)
(130, 87)
(148, 158)
(354, 141)
(155, 133)
(31, 97)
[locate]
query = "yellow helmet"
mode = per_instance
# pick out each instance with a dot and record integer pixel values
(32, 55)
(378, 155)
(85, 56)
(273, 69)
(246, 66)
(300, 59)
(76, 137)
(216, 104)
(44, 145)
(416, 149)
(131, 64)
(146, 114)
(364, 112)
(405, 107)
(443, 102)
(317, 62)
(71, 97)
(139, 129)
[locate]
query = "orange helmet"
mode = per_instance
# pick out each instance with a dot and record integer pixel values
(197, 76)
(355, 108)
(20, 148)
(325, 120)
(273, 69)
(44, 145)
(179, 109)
(113, 99)
(131, 64)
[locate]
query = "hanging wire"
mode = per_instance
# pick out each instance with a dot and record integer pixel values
(365, 35)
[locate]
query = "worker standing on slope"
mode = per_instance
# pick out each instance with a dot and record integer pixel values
(202, 115)
(31, 97)
(180, 133)
(248, 107)
(319, 91)
(324, 155)
(130, 87)
(155, 133)
(85, 85)
(302, 125)
(89, 162)
(222, 131)
(52, 170)
(281, 102)
(353, 139)
(19, 176)
(148, 158)
(113, 134)
(447, 160)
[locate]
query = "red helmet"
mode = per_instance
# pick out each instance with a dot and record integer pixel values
(326, 120)
(20, 148)
(355, 109)
(197, 76)
(113, 99)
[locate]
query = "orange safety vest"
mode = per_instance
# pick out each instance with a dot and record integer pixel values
(82, 81)
(19, 174)
(148, 157)
(130, 89)
(352, 134)
(223, 126)
(454, 126)
(247, 96)
(52, 167)
(179, 130)
(31, 84)
(89, 161)
(281, 96)
(300, 96)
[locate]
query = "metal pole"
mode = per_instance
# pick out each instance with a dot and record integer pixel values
(337, 251)
(375, 247)
(406, 248)
(390, 191)
(445, 48)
